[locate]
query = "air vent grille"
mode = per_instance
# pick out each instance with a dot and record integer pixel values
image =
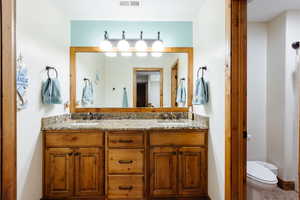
(133, 3)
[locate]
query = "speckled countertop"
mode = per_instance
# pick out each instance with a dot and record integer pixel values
(126, 124)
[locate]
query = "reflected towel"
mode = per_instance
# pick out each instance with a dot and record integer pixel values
(125, 99)
(201, 93)
(51, 91)
(181, 93)
(87, 93)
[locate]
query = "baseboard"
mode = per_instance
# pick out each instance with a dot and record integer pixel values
(286, 185)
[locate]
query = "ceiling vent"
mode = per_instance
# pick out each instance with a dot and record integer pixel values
(132, 3)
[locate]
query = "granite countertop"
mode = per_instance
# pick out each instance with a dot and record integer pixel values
(126, 124)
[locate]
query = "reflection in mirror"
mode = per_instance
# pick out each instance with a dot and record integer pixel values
(128, 82)
(148, 87)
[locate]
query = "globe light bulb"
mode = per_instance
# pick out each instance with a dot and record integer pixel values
(141, 45)
(106, 45)
(158, 46)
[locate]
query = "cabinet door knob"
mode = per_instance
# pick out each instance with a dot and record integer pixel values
(125, 187)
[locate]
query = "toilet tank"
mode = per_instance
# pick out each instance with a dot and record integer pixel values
(270, 166)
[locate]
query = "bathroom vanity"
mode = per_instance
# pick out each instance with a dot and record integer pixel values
(125, 159)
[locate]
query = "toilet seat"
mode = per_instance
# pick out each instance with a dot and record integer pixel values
(260, 173)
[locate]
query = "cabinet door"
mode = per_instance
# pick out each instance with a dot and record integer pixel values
(192, 171)
(163, 169)
(89, 172)
(59, 170)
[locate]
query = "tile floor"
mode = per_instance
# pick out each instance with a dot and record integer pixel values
(279, 194)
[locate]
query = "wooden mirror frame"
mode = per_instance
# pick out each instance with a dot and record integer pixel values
(73, 50)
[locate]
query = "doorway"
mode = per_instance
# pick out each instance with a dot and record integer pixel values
(148, 87)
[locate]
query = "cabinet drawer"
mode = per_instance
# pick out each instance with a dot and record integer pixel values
(126, 161)
(125, 187)
(74, 139)
(178, 138)
(125, 140)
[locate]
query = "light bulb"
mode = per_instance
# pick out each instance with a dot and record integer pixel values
(126, 54)
(158, 46)
(142, 54)
(123, 45)
(111, 54)
(106, 45)
(141, 45)
(156, 54)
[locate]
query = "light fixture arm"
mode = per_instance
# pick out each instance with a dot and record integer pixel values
(123, 35)
(141, 35)
(105, 35)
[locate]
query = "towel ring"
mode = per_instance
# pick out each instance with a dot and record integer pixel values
(48, 68)
(204, 68)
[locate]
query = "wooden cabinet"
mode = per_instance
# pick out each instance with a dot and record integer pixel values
(59, 172)
(192, 171)
(178, 164)
(163, 171)
(76, 170)
(89, 165)
(125, 165)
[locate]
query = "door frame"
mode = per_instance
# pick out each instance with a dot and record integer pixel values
(161, 89)
(8, 101)
(236, 100)
(174, 84)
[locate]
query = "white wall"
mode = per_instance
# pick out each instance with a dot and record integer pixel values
(256, 94)
(275, 91)
(88, 66)
(209, 41)
(291, 93)
(43, 39)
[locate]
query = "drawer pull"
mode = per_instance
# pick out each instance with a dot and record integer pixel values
(125, 161)
(125, 187)
(126, 141)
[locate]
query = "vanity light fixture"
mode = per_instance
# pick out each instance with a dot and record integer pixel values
(106, 45)
(158, 45)
(141, 46)
(123, 45)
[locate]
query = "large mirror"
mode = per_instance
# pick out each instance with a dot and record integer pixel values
(152, 81)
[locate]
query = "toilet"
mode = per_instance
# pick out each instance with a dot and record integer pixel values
(261, 177)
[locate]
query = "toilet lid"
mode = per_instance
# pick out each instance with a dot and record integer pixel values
(260, 173)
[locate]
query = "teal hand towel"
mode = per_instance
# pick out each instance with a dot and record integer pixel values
(125, 99)
(201, 92)
(51, 91)
(87, 93)
(181, 93)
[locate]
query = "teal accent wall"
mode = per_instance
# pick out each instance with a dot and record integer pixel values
(90, 32)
